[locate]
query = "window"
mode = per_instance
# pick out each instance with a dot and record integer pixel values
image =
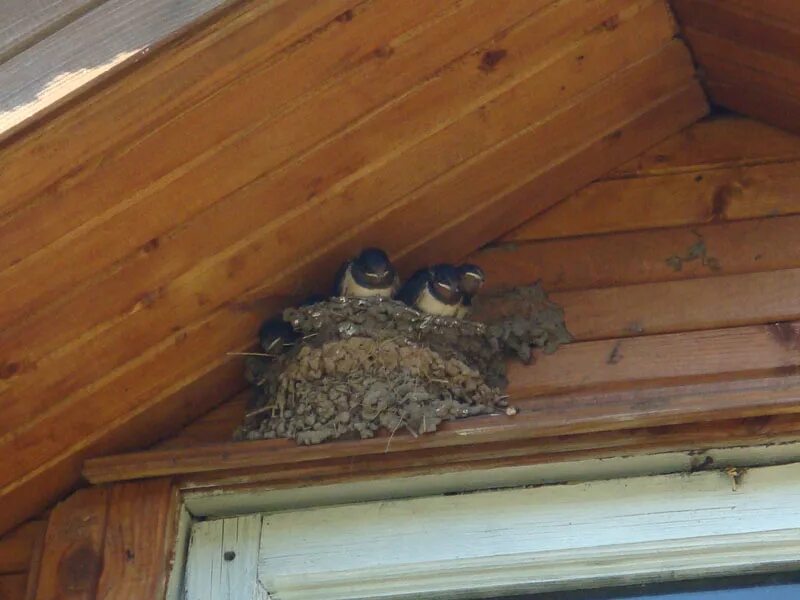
(524, 540)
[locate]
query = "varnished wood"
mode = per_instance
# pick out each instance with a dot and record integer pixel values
(540, 417)
(17, 547)
(73, 551)
(139, 536)
(716, 142)
(12, 587)
(685, 198)
(177, 206)
(748, 52)
(726, 248)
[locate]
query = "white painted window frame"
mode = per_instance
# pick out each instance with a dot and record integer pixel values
(583, 524)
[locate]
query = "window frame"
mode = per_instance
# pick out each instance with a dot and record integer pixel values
(727, 466)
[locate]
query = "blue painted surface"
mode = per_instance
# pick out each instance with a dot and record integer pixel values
(776, 592)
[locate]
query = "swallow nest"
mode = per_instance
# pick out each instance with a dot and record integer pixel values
(365, 365)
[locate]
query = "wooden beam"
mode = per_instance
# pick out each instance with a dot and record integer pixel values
(717, 142)
(17, 546)
(649, 256)
(73, 550)
(537, 418)
(692, 198)
(139, 536)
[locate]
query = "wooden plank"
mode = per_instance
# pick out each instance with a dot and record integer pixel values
(25, 24)
(709, 46)
(586, 532)
(188, 71)
(688, 305)
(645, 256)
(176, 253)
(12, 587)
(682, 199)
(230, 329)
(217, 426)
(528, 451)
(223, 560)
(35, 565)
(73, 550)
(138, 539)
(182, 296)
(169, 374)
(664, 403)
(87, 47)
(608, 313)
(777, 35)
(772, 107)
(719, 141)
(494, 217)
(84, 203)
(16, 547)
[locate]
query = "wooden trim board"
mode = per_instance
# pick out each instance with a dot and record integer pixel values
(537, 418)
(533, 539)
(113, 33)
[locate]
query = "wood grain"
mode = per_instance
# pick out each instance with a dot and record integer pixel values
(138, 537)
(147, 230)
(719, 141)
(17, 546)
(220, 325)
(646, 256)
(179, 75)
(672, 200)
(73, 552)
(748, 52)
(542, 417)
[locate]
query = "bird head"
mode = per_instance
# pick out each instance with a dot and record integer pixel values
(444, 283)
(373, 267)
(470, 279)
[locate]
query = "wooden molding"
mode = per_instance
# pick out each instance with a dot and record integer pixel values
(539, 420)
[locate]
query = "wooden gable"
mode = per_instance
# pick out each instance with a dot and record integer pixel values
(148, 228)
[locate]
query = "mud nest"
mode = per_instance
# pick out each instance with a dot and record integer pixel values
(363, 365)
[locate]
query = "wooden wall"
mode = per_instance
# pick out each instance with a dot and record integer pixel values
(642, 319)
(748, 52)
(146, 230)
(641, 324)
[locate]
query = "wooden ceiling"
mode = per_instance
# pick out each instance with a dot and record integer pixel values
(147, 227)
(748, 52)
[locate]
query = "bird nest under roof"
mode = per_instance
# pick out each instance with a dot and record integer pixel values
(360, 365)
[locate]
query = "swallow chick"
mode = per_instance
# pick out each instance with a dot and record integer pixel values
(276, 336)
(434, 291)
(470, 281)
(370, 274)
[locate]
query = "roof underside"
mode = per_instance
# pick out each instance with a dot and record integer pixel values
(149, 226)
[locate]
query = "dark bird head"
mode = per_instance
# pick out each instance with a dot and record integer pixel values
(274, 335)
(372, 268)
(470, 279)
(443, 284)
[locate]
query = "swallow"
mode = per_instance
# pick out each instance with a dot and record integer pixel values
(369, 274)
(434, 291)
(470, 281)
(275, 336)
